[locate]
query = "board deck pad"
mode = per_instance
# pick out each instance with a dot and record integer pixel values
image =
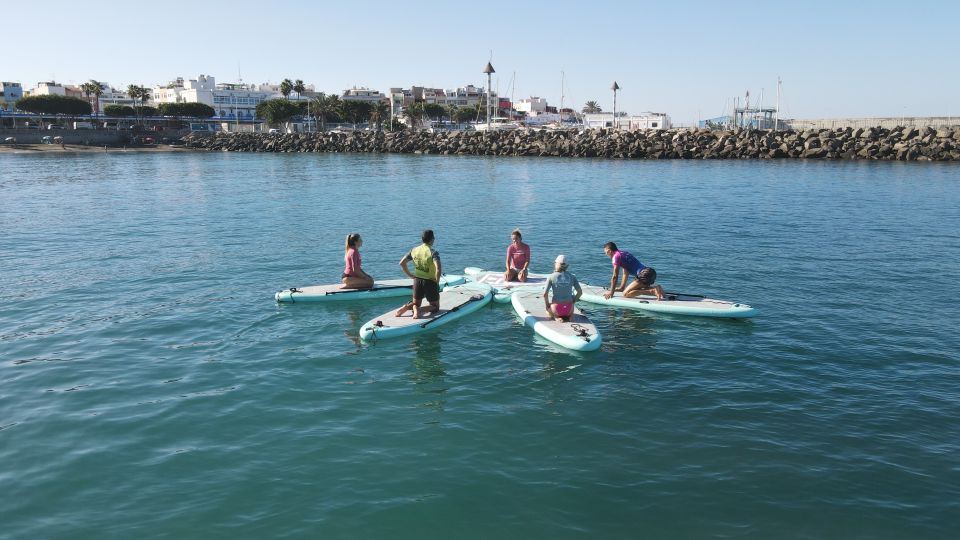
(455, 302)
(578, 334)
(334, 291)
(675, 303)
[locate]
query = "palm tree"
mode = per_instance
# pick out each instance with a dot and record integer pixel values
(298, 87)
(97, 91)
(379, 111)
(138, 92)
(591, 107)
(286, 86)
(414, 113)
(90, 88)
(323, 106)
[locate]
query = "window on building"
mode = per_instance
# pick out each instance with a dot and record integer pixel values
(654, 124)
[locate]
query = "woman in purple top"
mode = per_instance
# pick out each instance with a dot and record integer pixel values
(644, 275)
(518, 258)
(353, 276)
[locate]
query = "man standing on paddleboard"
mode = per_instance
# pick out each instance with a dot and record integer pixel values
(644, 276)
(426, 276)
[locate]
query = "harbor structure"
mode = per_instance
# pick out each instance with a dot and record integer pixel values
(644, 120)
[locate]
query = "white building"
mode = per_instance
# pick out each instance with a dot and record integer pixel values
(236, 101)
(363, 94)
(646, 120)
(532, 105)
(54, 89)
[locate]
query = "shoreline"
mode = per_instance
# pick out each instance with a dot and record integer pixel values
(898, 144)
(87, 149)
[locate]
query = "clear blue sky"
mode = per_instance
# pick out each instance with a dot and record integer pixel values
(686, 58)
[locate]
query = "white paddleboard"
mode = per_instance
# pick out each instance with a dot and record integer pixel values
(675, 303)
(579, 334)
(502, 289)
(333, 292)
(455, 302)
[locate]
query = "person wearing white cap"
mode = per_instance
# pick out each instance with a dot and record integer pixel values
(562, 283)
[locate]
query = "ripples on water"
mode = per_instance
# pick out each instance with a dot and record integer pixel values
(151, 387)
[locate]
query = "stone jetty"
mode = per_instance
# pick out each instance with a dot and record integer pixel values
(901, 144)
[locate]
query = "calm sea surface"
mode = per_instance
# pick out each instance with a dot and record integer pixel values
(150, 387)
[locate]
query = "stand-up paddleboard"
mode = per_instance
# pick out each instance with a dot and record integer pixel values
(502, 289)
(335, 291)
(675, 303)
(455, 302)
(579, 334)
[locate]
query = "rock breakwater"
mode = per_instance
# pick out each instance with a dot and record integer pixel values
(903, 144)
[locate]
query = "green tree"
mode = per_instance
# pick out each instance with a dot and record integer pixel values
(414, 114)
(93, 88)
(434, 111)
(298, 87)
(466, 114)
(53, 105)
(114, 111)
(356, 111)
(138, 94)
(195, 110)
(277, 111)
(286, 86)
(325, 108)
(591, 107)
(378, 113)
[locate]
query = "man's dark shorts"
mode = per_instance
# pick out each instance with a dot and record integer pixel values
(426, 288)
(647, 277)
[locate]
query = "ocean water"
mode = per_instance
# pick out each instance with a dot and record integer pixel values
(150, 387)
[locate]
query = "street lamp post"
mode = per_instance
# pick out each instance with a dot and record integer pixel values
(489, 71)
(615, 87)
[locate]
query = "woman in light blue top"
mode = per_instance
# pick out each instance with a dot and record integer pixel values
(562, 283)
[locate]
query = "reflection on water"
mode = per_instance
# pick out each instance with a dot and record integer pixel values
(428, 374)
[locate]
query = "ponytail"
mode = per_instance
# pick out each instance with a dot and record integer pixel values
(351, 241)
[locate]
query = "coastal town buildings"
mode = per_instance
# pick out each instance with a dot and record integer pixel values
(10, 92)
(53, 88)
(235, 101)
(363, 94)
(532, 105)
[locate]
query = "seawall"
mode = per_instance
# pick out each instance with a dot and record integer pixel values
(903, 144)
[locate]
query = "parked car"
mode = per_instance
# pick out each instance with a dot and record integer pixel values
(273, 131)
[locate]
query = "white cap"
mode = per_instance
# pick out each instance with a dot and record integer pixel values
(561, 259)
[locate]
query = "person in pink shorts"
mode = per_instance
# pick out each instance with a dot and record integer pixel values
(562, 283)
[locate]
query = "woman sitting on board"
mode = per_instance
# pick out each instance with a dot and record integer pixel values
(644, 276)
(353, 276)
(518, 258)
(562, 283)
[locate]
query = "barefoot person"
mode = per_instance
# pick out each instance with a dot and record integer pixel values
(353, 276)
(426, 276)
(644, 276)
(518, 258)
(562, 283)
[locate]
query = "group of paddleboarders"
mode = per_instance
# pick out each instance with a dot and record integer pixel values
(561, 283)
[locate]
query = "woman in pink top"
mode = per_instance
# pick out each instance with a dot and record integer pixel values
(353, 276)
(518, 258)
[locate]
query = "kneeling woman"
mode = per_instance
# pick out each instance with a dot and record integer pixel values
(353, 276)
(562, 283)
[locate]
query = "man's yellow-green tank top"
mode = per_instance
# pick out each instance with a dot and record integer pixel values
(423, 265)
